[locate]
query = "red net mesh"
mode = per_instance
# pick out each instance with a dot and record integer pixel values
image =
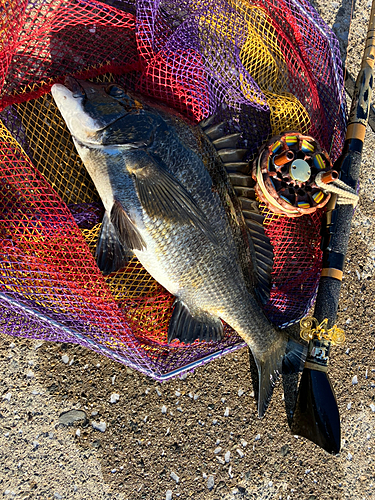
(264, 67)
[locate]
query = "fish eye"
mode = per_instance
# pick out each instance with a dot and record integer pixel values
(115, 91)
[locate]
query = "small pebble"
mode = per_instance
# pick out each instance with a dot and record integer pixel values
(12, 345)
(220, 460)
(37, 345)
(240, 392)
(214, 422)
(244, 443)
(168, 495)
(223, 400)
(114, 397)
(358, 275)
(164, 409)
(348, 406)
(113, 381)
(97, 365)
(58, 496)
(240, 452)
(257, 437)
(372, 406)
(175, 477)
(210, 482)
(230, 472)
(355, 380)
(196, 396)
(218, 449)
(347, 351)
(65, 359)
(78, 432)
(35, 444)
(226, 413)
(227, 456)
(30, 374)
(100, 426)
(7, 396)
(178, 393)
(350, 456)
(157, 391)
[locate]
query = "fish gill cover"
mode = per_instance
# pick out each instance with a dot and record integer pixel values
(263, 67)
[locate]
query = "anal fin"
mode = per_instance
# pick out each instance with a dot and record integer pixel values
(187, 327)
(111, 255)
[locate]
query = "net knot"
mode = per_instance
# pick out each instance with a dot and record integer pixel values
(346, 195)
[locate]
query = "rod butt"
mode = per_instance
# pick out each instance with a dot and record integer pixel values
(316, 416)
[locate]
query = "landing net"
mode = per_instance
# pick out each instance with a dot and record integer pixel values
(264, 67)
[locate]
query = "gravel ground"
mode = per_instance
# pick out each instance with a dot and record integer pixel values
(74, 425)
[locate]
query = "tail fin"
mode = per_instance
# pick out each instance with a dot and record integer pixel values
(269, 367)
(295, 357)
(286, 356)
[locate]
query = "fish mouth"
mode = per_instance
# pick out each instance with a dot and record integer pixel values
(74, 86)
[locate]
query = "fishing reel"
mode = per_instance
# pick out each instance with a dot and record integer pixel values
(286, 174)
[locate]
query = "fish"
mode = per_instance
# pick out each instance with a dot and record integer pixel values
(168, 201)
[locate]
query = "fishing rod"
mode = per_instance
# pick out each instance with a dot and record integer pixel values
(316, 415)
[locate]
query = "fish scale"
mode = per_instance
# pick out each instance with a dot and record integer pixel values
(168, 200)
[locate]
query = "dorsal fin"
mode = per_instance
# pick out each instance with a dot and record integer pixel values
(239, 173)
(263, 252)
(227, 141)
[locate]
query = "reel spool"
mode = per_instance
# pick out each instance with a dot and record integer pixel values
(285, 173)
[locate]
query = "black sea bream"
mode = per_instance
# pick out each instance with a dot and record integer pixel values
(168, 201)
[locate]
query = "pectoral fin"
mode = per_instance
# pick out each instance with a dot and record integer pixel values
(187, 327)
(164, 197)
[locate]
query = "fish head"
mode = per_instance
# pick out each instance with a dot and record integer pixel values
(90, 109)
